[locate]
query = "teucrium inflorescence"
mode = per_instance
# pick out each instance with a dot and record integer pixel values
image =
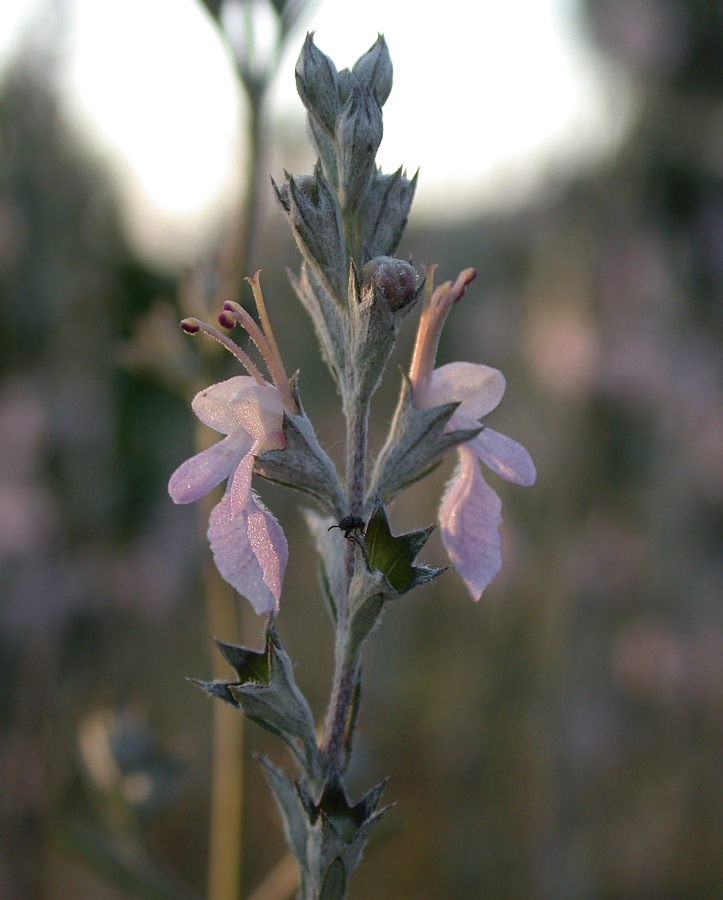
(348, 219)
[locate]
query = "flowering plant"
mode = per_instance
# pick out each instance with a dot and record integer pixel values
(348, 219)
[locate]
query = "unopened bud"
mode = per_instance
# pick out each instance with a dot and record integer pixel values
(359, 133)
(394, 278)
(374, 69)
(345, 85)
(380, 295)
(316, 82)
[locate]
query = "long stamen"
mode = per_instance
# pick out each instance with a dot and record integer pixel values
(193, 326)
(242, 318)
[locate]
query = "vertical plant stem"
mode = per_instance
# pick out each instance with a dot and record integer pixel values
(346, 671)
(346, 674)
(356, 455)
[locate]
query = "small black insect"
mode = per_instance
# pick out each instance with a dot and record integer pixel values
(350, 525)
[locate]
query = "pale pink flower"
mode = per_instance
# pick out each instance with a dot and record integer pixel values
(470, 511)
(248, 544)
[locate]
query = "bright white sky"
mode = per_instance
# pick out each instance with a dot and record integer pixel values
(487, 97)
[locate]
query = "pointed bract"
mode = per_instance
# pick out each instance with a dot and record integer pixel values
(267, 693)
(303, 465)
(418, 438)
(325, 312)
(384, 213)
(375, 70)
(316, 82)
(384, 570)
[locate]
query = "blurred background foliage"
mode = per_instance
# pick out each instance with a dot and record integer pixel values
(563, 737)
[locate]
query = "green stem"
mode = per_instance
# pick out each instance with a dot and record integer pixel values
(347, 655)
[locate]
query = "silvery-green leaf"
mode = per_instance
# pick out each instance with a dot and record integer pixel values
(303, 465)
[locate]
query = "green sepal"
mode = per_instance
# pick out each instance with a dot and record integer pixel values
(327, 836)
(303, 464)
(385, 211)
(312, 209)
(383, 570)
(334, 885)
(394, 555)
(417, 439)
(373, 326)
(372, 333)
(266, 693)
(325, 312)
(351, 723)
(338, 829)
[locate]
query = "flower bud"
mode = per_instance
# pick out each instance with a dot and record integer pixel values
(379, 298)
(316, 82)
(374, 69)
(395, 279)
(358, 136)
(345, 84)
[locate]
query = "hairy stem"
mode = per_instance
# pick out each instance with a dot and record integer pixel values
(347, 657)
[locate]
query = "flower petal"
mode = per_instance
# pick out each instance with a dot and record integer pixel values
(504, 456)
(250, 551)
(261, 412)
(479, 388)
(195, 477)
(470, 516)
(240, 401)
(214, 404)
